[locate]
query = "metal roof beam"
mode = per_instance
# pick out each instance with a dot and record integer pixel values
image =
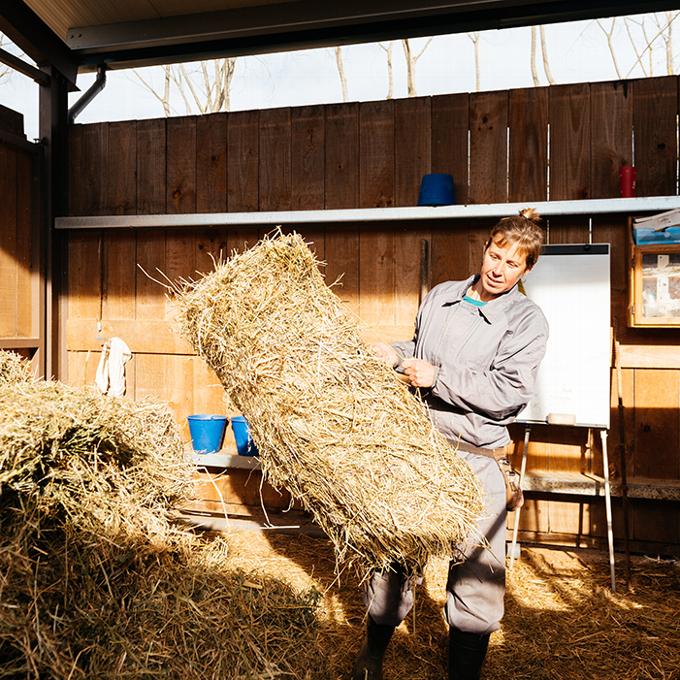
(28, 31)
(309, 23)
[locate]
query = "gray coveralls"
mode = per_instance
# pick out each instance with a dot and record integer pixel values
(486, 358)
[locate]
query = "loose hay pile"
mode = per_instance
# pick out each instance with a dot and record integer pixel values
(95, 580)
(13, 369)
(332, 423)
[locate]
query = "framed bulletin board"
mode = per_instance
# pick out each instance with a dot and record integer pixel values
(654, 285)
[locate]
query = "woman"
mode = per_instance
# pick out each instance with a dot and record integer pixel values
(476, 351)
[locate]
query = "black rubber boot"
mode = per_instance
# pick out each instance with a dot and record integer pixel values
(368, 665)
(466, 654)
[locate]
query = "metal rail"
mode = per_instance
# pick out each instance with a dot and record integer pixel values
(586, 207)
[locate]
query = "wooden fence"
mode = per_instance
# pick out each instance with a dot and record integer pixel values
(20, 245)
(562, 142)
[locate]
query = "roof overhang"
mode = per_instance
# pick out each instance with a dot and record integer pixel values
(32, 35)
(271, 25)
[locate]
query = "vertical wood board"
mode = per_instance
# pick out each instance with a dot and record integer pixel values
(307, 158)
(570, 142)
(449, 253)
(27, 251)
(341, 184)
(275, 160)
(120, 169)
(85, 257)
(377, 276)
(151, 166)
(376, 154)
(450, 126)
(654, 117)
(88, 181)
(243, 161)
(8, 241)
(409, 271)
(657, 405)
(211, 163)
(342, 257)
(488, 147)
(180, 260)
(611, 115)
(150, 256)
(120, 274)
(181, 165)
(412, 147)
(211, 247)
(528, 161)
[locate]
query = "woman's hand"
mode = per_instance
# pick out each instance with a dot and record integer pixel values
(421, 373)
(387, 353)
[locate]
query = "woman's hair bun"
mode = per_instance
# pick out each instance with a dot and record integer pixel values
(530, 214)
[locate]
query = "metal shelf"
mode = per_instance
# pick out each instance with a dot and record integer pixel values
(580, 484)
(586, 207)
(224, 460)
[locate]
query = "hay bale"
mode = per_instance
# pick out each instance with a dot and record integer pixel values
(97, 581)
(79, 448)
(333, 424)
(13, 368)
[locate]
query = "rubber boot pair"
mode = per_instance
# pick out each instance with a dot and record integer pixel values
(368, 665)
(466, 654)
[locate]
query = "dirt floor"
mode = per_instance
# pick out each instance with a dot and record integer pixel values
(562, 620)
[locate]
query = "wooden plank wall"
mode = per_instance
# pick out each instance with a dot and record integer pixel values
(19, 249)
(563, 142)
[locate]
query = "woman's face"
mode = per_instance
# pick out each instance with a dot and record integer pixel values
(502, 267)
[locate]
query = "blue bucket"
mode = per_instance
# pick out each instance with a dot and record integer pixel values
(436, 189)
(207, 432)
(244, 442)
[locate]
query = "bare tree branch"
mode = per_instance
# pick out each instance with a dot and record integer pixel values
(667, 37)
(340, 64)
(228, 72)
(649, 42)
(185, 77)
(411, 60)
(205, 88)
(420, 54)
(627, 22)
(609, 34)
(208, 86)
(390, 69)
(166, 91)
(178, 79)
(475, 38)
(534, 70)
(546, 63)
(410, 76)
(164, 99)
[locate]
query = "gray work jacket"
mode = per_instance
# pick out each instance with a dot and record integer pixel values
(486, 360)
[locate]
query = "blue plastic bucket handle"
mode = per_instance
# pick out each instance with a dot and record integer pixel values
(244, 442)
(207, 432)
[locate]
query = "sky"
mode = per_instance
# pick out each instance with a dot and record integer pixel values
(577, 52)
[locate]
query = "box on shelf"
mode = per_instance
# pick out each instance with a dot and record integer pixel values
(644, 235)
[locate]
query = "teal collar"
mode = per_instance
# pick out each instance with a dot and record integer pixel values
(473, 302)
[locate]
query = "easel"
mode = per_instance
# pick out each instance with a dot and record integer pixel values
(607, 500)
